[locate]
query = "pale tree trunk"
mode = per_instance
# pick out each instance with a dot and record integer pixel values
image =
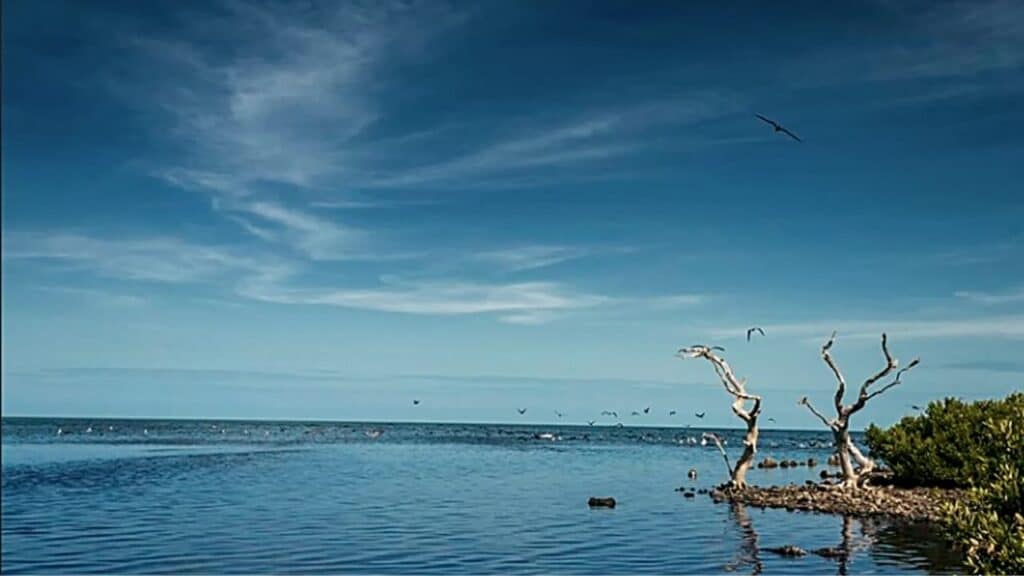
(840, 425)
(737, 388)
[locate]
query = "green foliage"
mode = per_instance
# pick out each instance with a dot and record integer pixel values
(979, 446)
(950, 445)
(989, 524)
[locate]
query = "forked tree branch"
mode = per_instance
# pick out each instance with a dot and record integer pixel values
(718, 442)
(805, 402)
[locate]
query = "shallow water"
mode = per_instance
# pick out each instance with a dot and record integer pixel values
(244, 497)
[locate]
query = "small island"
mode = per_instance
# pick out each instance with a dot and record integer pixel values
(957, 465)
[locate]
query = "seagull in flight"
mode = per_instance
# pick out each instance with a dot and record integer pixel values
(610, 413)
(750, 331)
(647, 410)
(590, 422)
(699, 414)
(671, 412)
(915, 406)
(415, 402)
(771, 419)
(521, 410)
(779, 128)
(560, 414)
(635, 413)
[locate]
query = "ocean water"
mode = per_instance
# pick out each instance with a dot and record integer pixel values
(137, 496)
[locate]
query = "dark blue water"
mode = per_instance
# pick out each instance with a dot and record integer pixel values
(258, 497)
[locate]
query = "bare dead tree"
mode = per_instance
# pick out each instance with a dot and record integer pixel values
(737, 388)
(840, 425)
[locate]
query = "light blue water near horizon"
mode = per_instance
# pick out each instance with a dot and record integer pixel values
(191, 496)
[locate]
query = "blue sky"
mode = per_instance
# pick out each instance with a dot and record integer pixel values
(296, 210)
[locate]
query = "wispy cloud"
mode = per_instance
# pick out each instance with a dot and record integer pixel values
(1008, 366)
(523, 302)
(160, 259)
(103, 298)
(992, 298)
(1008, 326)
(601, 135)
(535, 256)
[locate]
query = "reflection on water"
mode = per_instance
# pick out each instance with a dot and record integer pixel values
(258, 497)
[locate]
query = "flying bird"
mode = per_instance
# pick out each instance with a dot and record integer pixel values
(521, 410)
(590, 422)
(415, 402)
(771, 419)
(699, 414)
(619, 424)
(560, 414)
(647, 410)
(610, 413)
(671, 412)
(750, 331)
(915, 406)
(635, 413)
(779, 128)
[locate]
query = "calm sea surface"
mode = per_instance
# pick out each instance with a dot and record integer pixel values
(138, 496)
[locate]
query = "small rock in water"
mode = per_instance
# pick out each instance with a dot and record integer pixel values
(601, 502)
(788, 550)
(784, 464)
(767, 463)
(833, 460)
(835, 552)
(811, 462)
(688, 494)
(794, 463)
(702, 491)
(692, 474)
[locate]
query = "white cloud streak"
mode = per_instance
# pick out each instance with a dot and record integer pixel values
(160, 259)
(993, 298)
(436, 298)
(1004, 327)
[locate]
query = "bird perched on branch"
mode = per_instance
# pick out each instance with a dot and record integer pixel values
(779, 128)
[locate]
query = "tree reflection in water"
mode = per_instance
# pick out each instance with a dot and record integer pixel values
(851, 541)
(749, 552)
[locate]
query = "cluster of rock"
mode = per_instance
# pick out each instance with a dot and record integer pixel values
(907, 503)
(797, 552)
(768, 462)
(690, 492)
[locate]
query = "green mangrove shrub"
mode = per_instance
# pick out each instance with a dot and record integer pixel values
(950, 445)
(978, 446)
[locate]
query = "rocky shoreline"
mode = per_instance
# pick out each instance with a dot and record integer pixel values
(916, 504)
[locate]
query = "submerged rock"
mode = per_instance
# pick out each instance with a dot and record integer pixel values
(601, 502)
(834, 552)
(788, 550)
